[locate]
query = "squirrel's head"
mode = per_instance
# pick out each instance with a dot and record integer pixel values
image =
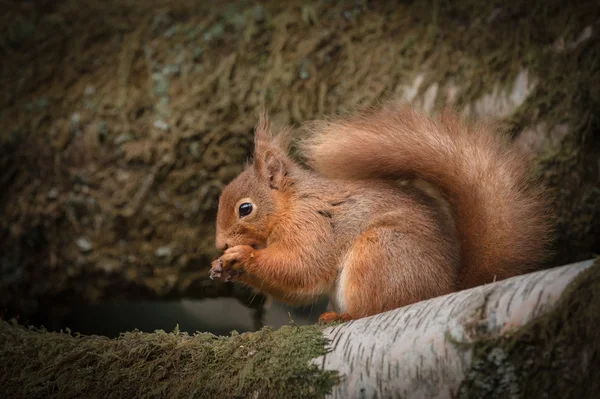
(247, 204)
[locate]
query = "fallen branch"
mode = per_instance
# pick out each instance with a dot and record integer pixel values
(530, 336)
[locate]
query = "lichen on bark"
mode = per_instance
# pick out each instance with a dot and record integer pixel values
(555, 355)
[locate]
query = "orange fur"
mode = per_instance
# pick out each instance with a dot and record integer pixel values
(349, 230)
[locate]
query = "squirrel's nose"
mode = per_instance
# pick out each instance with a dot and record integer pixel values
(221, 244)
(222, 247)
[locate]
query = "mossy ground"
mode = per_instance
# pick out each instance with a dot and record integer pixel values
(556, 356)
(264, 364)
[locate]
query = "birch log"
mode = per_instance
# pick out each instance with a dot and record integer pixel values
(533, 336)
(425, 350)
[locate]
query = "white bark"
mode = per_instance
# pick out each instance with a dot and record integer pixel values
(407, 352)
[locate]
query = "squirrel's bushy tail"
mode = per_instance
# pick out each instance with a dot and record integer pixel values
(502, 218)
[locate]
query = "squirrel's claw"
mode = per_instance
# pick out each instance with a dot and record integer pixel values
(232, 263)
(216, 269)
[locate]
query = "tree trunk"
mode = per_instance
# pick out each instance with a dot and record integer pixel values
(530, 336)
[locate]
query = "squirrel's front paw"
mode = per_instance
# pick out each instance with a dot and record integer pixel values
(232, 263)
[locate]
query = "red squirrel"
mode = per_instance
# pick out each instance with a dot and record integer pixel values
(347, 227)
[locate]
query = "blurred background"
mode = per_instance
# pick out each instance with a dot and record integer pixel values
(122, 121)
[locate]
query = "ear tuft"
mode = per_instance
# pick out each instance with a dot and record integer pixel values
(262, 131)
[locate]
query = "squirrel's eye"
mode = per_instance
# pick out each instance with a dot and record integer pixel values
(245, 209)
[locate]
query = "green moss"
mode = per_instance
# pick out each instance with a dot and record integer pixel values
(265, 364)
(556, 355)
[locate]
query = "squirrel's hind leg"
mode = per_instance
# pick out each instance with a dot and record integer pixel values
(331, 317)
(396, 262)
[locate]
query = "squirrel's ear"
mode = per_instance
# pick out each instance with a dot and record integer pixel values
(269, 161)
(273, 167)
